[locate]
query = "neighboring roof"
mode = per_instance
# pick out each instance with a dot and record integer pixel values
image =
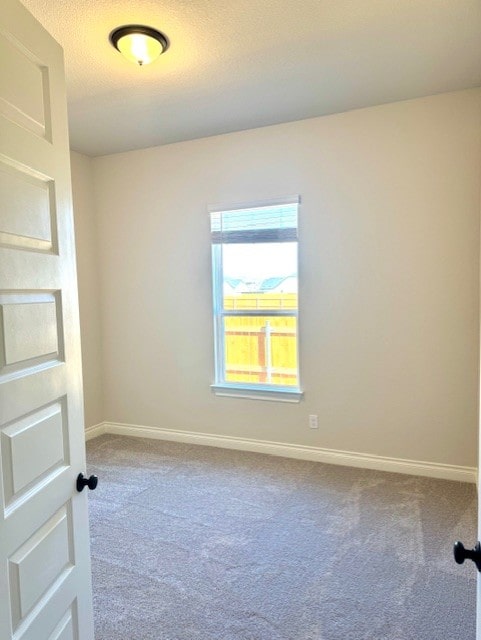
(269, 284)
(272, 283)
(232, 282)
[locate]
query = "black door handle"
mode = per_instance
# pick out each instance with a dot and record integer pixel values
(82, 482)
(461, 554)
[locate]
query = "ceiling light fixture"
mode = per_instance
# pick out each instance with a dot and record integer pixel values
(138, 43)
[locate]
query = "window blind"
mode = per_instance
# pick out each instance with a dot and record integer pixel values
(275, 223)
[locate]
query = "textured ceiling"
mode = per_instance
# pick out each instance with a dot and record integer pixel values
(240, 64)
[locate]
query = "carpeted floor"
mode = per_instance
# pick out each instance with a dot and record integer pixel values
(198, 543)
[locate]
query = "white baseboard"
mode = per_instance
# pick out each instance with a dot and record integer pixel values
(95, 430)
(301, 452)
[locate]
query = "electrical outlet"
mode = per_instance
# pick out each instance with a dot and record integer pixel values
(313, 424)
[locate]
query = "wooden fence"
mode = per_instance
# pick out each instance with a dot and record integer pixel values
(261, 349)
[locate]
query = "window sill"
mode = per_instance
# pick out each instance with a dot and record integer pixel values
(279, 394)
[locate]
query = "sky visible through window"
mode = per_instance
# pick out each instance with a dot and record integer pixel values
(258, 261)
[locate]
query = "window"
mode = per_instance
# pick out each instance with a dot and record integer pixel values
(255, 287)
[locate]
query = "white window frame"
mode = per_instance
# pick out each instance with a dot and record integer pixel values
(221, 387)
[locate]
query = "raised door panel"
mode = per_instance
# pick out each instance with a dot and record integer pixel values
(40, 565)
(65, 630)
(33, 451)
(23, 86)
(29, 331)
(28, 209)
(49, 625)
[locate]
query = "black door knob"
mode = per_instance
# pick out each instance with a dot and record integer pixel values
(82, 482)
(461, 554)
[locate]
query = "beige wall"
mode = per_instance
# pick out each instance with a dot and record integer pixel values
(389, 248)
(88, 277)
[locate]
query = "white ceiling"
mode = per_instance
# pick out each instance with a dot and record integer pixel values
(241, 64)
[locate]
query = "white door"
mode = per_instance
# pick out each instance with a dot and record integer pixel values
(45, 585)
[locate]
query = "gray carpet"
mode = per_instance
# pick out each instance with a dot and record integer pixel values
(198, 543)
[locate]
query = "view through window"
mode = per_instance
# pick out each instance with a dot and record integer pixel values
(254, 257)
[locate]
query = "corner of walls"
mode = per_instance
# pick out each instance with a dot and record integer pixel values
(89, 286)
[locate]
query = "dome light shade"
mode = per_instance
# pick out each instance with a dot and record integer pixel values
(138, 43)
